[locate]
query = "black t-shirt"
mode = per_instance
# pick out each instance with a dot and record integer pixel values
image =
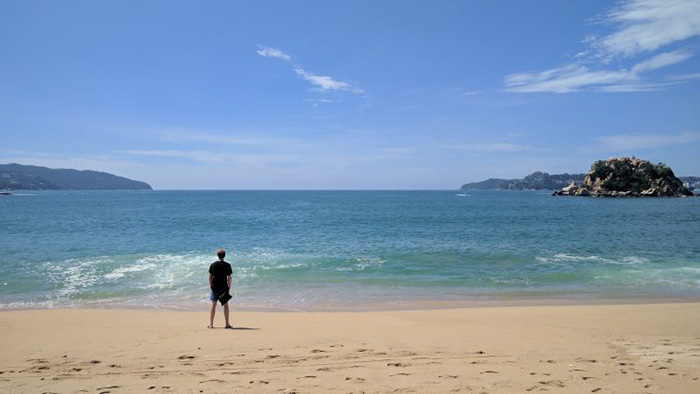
(221, 270)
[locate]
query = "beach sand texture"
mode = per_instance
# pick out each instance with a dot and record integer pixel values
(569, 349)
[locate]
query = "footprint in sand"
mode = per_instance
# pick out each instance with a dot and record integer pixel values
(448, 376)
(273, 356)
(307, 377)
(318, 351)
(554, 383)
(355, 379)
(401, 374)
(213, 381)
(488, 371)
(185, 357)
(397, 365)
(106, 390)
(95, 361)
(259, 382)
(324, 369)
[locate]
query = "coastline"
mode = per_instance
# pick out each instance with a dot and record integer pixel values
(565, 348)
(388, 306)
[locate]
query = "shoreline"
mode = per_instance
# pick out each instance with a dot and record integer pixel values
(413, 305)
(579, 349)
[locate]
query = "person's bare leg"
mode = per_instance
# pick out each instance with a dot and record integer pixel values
(226, 315)
(211, 314)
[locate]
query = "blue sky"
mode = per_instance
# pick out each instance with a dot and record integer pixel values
(347, 94)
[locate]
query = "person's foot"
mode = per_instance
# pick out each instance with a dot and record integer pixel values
(210, 326)
(229, 327)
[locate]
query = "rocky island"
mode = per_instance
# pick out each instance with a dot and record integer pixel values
(627, 177)
(24, 177)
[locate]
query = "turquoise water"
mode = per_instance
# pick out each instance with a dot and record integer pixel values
(343, 249)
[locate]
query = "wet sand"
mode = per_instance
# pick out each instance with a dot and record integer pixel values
(651, 348)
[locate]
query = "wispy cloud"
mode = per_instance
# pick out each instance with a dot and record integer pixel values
(627, 142)
(684, 77)
(641, 27)
(321, 83)
(212, 157)
(221, 137)
(492, 147)
(272, 52)
(647, 25)
(324, 83)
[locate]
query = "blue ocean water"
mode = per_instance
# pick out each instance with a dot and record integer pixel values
(342, 249)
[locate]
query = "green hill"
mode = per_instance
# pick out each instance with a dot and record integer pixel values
(23, 177)
(535, 181)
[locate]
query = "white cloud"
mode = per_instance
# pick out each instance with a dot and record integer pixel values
(212, 157)
(220, 137)
(662, 60)
(321, 101)
(647, 25)
(576, 77)
(564, 79)
(684, 77)
(641, 26)
(492, 147)
(272, 52)
(322, 83)
(627, 142)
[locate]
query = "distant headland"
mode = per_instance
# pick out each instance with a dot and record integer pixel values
(24, 177)
(620, 173)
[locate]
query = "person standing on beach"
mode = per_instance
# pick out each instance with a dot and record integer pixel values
(219, 282)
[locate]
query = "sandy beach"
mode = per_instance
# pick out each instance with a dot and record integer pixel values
(574, 349)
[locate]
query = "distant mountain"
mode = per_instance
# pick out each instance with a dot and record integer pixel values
(691, 182)
(489, 184)
(535, 181)
(22, 177)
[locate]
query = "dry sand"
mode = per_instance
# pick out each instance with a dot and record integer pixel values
(566, 349)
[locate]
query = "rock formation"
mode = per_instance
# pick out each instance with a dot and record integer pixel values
(627, 177)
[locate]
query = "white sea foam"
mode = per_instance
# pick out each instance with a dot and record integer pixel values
(565, 257)
(366, 262)
(120, 272)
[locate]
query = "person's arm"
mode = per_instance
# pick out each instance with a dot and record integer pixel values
(211, 280)
(229, 279)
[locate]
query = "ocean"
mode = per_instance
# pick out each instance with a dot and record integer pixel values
(343, 250)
